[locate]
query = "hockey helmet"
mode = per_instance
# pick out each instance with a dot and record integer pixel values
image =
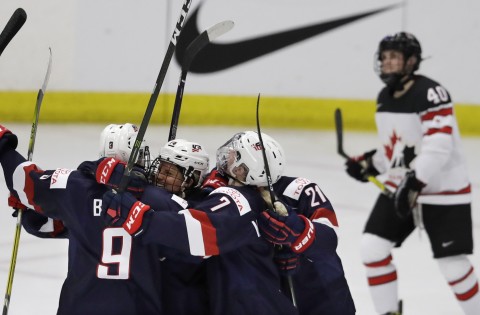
(241, 157)
(190, 157)
(117, 141)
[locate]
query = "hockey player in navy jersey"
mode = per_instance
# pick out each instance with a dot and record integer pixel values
(421, 163)
(109, 272)
(116, 141)
(219, 228)
(307, 233)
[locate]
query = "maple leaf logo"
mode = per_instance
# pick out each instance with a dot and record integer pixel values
(389, 147)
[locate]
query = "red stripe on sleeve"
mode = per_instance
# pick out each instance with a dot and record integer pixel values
(325, 213)
(446, 129)
(440, 112)
(29, 186)
(208, 231)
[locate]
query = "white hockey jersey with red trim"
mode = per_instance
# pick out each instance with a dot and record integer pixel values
(419, 131)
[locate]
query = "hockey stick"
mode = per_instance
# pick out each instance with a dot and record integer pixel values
(192, 50)
(153, 97)
(15, 23)
(273, 197)
(31, 145)
(339, 131)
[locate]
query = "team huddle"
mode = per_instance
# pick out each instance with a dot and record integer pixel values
(182, 238)
(179, 242)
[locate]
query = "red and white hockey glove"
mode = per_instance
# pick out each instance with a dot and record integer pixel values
(110, 172)
(123, 209)
(293, 230)
(287, 262)
(7, 139)
(214, 180)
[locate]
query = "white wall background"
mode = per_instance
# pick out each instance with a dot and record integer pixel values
(119, 45)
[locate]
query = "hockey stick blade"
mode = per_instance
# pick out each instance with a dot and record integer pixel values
(40, 95)
(154, 96)
(192, 50)
(203, 40)
(15, 23)
(339, 130)
(18, 227)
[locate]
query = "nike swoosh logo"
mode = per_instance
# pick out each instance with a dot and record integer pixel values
(446, 244)
(216, 57)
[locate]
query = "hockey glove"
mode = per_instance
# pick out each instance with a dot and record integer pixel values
(16, 204)
(406, 194)
(214, 180)
(361, 167)
(7, 139)
(288, 262)
(293, 230)
(123, 209)
(110, 172)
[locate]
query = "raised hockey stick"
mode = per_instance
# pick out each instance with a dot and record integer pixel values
(31, 145)
(153, 97)
(192, 50)
(340, 150)
(15, 23)
(273, 196)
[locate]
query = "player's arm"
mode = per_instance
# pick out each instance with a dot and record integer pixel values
(33, 187)
(37, 224)
(221, 223)
(437, 122)
(307, 200)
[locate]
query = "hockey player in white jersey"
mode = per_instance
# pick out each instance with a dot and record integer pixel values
(420, 161)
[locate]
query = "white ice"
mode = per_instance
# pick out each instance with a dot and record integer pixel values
(42, 264)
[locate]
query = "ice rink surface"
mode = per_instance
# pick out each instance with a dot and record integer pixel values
(42, 264)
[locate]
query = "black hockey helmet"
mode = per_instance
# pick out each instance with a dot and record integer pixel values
(404, 42)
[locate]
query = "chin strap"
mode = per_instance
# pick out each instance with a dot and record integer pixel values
(396, 82)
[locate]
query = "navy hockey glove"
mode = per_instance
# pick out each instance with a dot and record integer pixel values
(288, 262)
(7, 139)
(406, 194)
(293, 230)
(110, 172)
(123, 209)
(214, 180)
(360, 167)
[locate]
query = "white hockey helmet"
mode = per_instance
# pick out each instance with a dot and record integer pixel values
(117, 141)
(190, 157)
(241, 157)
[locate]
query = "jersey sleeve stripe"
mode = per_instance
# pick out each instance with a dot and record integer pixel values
(208, 231)
(439, 112)
(446, 130)
(325, 213)
(202, 237)
(23, 184)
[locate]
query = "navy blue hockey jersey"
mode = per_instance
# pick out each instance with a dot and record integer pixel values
(109, 272)
(319, 284)
(240, 273)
